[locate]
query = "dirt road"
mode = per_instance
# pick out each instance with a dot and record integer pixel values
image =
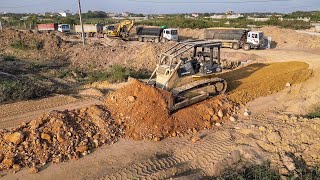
(269, 133)
(15, 113)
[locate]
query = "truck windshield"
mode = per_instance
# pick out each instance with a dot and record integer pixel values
(174, 32)
(65, 27)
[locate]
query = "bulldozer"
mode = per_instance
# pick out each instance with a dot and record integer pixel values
(187, 71)
(121, 30)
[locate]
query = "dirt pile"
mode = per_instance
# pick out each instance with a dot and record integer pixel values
(29, 44)
(287, 38)
(187, 33)
(144, 112)
(57, 137)
(256, 80)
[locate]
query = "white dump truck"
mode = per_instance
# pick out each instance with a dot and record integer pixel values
(237, 38)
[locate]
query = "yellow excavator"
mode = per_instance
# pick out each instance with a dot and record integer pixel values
(187, 70)
(121, 30)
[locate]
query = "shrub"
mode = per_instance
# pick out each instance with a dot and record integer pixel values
(19, 44)
(9, 58)
(315, 113)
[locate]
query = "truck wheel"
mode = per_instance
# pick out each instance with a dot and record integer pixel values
(235, 46)
(246, 47)
(157, 40)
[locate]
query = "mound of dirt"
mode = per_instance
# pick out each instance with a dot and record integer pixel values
(288, 38)
(256, 80)
(57, 137)
(46, 46)
(144, 112)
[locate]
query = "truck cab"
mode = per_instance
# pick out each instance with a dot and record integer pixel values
(170, 34)
(64, 28)
(255, 39)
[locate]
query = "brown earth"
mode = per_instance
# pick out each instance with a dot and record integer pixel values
(57, 137)
(288, 38)
(144, 111)
(256, 80)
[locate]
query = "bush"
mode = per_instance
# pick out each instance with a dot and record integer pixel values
(19, 44)
(261, 172)
(20, 89)
(315, 113)
(9, 58)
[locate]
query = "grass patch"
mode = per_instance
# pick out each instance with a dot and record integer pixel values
(261, 172)
(315, 113)
(20, 89)
(115, 74)
(9, 58)
(21, 45)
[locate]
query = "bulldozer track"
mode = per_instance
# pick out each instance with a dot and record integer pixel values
(200, 156)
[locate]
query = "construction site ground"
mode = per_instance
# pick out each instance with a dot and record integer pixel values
(275, 129)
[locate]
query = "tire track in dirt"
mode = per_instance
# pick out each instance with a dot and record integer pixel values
(188, 159)
(14, 114)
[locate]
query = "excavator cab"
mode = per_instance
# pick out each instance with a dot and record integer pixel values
(189, 80)
(122, 30)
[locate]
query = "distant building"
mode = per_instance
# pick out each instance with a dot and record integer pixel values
(65, 13)
(125, 14)
(228, 15)
(258, 18)
(195, 15)
(24, 18)
(306, 19)
(111, 14)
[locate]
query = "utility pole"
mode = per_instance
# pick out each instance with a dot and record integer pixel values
(0, 25)
(83, 37)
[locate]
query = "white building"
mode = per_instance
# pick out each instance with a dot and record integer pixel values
(258, 19)
(195, 15)
(64, 13)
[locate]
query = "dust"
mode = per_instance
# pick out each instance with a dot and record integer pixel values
(144, 112)
(256, 80)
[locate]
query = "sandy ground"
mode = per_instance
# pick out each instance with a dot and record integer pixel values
(267, 134)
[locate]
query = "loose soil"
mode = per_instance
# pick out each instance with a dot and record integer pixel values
(57, 137)
(256, 80)
(143, 110)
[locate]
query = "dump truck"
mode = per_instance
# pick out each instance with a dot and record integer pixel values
(189, 79)
(47, 27)
(156, 34)
(90, 30)
(236, 38)
(64, 28)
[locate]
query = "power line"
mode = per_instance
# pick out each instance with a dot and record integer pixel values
(207, 2)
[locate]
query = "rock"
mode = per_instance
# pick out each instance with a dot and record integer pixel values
(274, 137)
(60, 138)
(288, 162)
(218, 124)
(288, 84)
(195, 139)
(131, 98)
(262, 128)
(1, 157)
(45, 136)
(294, 118)
(15, 138)
(33, 170)
(220, 113)
(16, 167)
(233, 119)
(215, 118)
(174, 134)
(267, 147)
(246, 113)
(156, 139)
(207, 117)
(82, 148)
(8, 162)
(207, 124)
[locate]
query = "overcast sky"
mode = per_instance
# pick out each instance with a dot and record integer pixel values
(159, 6)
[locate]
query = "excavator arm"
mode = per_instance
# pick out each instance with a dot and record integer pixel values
(122, 30)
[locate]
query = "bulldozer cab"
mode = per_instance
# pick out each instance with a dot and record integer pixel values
(195, 58)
